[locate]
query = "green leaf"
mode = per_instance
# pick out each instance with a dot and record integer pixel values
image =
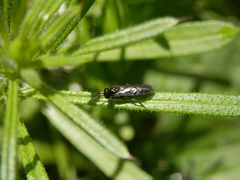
(192, 103)
(93, 128)
(78, 116)
(109, 164)
(9, 146)
(198, 37)
(32, 18)
(38, 16)
(3, 24)
(32, 164)
(128, 36)
(49, 9)
(63, 26)
(58, 27)
(185, 39)
(84, 8)
(19, 9)
(7, 15)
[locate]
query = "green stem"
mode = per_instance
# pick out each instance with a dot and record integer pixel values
(9, 147)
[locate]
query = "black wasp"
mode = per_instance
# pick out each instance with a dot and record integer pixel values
(127, 91)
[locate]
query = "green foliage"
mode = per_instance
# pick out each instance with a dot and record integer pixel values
(185, 39)
(31, 162)
(193, 67)
(104, 160)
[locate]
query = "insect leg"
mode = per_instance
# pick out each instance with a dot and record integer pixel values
(132, 100)
(137, 103)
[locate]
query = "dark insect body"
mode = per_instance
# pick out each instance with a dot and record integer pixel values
(127, 91)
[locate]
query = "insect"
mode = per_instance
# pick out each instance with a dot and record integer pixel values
(127, 91)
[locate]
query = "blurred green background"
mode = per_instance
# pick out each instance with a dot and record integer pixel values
(167, 146)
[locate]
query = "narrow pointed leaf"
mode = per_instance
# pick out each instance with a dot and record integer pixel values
(58, 27)
(38, 16)
(65, 30)
(3, 24)
(78, 116)
(7, 16)
(9, 146)
(32, 18)
(47, 12)
(93, 128)
(197, 37)
(192, 103)
(105, 161)
(19, 9)
(31, 162)
(128, 36)
(185, 39)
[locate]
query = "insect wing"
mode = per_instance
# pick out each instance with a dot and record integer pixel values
(131, 91)
(123, 91)
(143, 90)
